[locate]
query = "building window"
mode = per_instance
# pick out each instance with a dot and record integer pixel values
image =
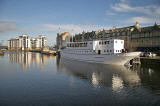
(106, 42)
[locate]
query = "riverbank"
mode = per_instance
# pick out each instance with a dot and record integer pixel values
(42, 51)
(47, 52)
(154, 61)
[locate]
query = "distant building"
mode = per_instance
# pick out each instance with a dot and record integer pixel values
(135, 37)
(146, 38)
(19, 43)
(24, 42)
(39, 42)
(62, 38)
(42, 41)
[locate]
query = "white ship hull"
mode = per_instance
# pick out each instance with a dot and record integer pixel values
(113, 59)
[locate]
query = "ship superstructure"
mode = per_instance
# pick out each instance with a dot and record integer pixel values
(99, 51)
(112, 46)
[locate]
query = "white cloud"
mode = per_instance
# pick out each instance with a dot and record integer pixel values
(149, 13)
(71, 27)
(151, 10)
(142, 20)
(110, 13)
(123, 0)
(121, 7)
(88, 23)
(6, 26)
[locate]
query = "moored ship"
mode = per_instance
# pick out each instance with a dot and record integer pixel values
(99, 51)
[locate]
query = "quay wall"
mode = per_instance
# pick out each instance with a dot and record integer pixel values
(150, 61)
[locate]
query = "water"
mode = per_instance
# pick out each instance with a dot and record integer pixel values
(32, 79)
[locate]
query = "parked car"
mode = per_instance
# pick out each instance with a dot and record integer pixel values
(1, 53)
(149, 54)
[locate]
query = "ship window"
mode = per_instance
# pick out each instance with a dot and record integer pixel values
(99, 43)
(107, 50)
(107, 42)
(115, 41)
(121, 41)
(110, 50)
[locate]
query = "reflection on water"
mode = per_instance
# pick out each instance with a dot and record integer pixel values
(116, 77)
(97, 74)
(117, 83)
(25, 59)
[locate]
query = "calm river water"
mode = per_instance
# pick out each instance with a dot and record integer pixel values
(32, 79)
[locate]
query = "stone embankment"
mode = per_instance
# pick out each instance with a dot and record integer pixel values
(150, 60)
(45, 51)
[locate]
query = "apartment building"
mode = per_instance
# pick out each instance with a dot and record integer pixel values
(24, 42)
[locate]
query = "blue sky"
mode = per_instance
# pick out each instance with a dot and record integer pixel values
(35, 17)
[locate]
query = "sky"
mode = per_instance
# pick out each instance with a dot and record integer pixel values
(48, 17)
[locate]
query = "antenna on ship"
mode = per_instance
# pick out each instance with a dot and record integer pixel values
(83, 35)
(59, 29)
(72, 34)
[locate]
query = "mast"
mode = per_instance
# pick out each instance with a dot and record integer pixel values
(72, 34)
